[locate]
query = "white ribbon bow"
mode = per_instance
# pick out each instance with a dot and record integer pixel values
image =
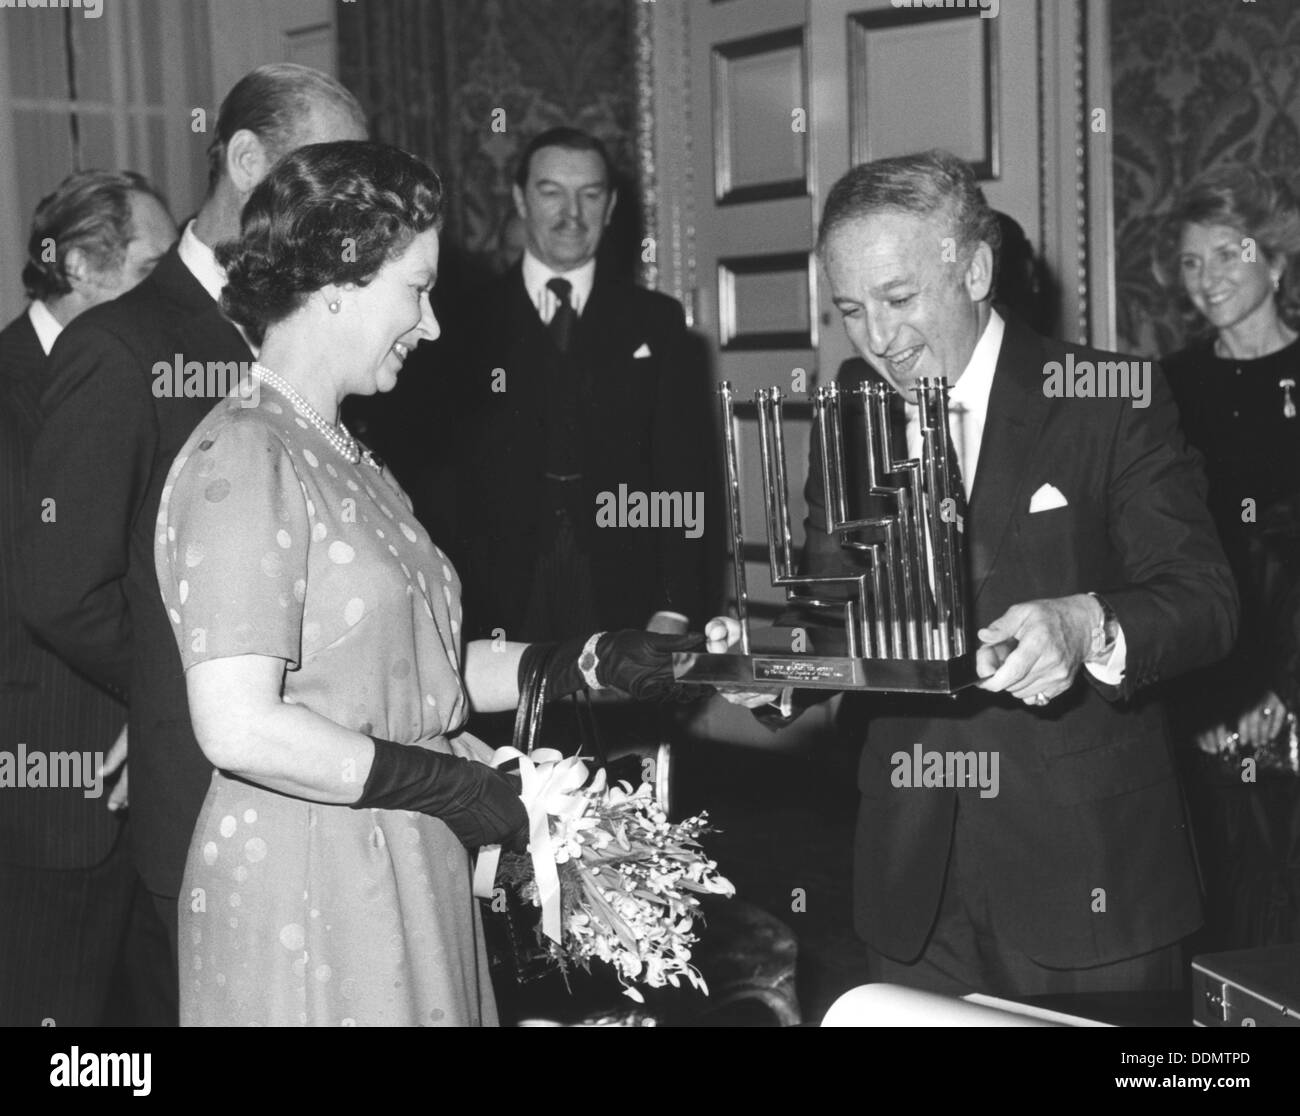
(550, 786)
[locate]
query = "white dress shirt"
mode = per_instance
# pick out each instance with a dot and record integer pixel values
(968, 403)
(202, 262)
(537, 275)
(45, 323)
(968, 408)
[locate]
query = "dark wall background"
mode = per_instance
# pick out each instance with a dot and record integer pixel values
(1195, 83)
(432, 72)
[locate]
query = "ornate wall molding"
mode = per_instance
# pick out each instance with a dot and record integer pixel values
(646, 162)
(1077, 201)
(662, 30)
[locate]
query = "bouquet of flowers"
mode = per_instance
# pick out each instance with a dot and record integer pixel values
(615, 880)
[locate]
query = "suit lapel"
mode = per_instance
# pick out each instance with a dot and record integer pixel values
(1017, 409)
(521, 314)
(176, 283)
(197, 326)
(24, 361)
(599, 321)
(210, 332)
(608, 333)
(528, 345)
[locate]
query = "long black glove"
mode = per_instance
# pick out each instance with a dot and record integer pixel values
(478, 805)
(638, 663)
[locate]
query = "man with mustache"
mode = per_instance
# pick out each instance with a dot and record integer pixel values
(576, 383)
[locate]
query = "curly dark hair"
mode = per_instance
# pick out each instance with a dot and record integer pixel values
(1248, 200)
(327, 213)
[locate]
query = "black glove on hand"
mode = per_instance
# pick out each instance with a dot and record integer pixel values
(478, 805)
(638, 663)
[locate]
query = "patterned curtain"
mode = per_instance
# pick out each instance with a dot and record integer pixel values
(1195, 83)
(466, 83)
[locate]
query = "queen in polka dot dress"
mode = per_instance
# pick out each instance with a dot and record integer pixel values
(315, 618)
(328, 881)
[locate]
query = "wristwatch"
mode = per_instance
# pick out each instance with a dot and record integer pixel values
(1105, 633)
(587, 662)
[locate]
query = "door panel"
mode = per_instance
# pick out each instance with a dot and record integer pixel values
(999, 132)
(754, 183)
(877, 80)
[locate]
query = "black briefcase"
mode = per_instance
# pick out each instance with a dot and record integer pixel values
(1247, 988)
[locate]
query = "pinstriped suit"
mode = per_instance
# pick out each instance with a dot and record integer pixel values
(65, 873)
(103, 453)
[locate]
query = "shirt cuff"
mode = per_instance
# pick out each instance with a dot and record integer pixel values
(1111, 672)
(669, 614)
(785, 703)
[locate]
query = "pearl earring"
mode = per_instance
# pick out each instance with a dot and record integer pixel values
(335, 306)
(1277, 282)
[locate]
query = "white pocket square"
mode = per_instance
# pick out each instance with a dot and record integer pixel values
(642, 352)
(1047, 498)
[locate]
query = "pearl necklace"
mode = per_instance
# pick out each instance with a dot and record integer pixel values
(336, 434)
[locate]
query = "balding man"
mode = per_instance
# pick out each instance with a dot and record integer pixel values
(111, 431)
(66, 880)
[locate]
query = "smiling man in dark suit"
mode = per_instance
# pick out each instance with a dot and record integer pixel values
(108, 439)
(66, 881)
(581, 393)
(1094, 572)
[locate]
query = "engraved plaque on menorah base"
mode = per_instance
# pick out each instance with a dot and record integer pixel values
(814, 672)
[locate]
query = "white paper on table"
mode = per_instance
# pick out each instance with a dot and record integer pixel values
(1058, 1017)
(891, 1005)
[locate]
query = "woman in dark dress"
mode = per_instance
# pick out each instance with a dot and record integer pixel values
(1228, 249)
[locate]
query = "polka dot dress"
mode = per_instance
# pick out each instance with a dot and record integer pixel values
(270, 543)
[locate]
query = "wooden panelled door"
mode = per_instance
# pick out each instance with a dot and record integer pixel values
(785, 96)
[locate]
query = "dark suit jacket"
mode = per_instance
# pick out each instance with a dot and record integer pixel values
(102, 455)
(645, 422)
(1088, 813)
(44, 704)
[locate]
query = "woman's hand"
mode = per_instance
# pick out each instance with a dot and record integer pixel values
(641, 664)
(722, 633)
(1261, 723)
(1255, 728)
(1217, 741)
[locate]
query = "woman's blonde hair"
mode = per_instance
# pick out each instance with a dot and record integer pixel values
(1241, 197)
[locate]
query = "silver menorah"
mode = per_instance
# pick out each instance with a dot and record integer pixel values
(900, 585)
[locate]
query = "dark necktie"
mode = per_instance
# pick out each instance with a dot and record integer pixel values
(563, 458)
(954, 461)
(957, 486)
(956, 442)
(562, 323)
